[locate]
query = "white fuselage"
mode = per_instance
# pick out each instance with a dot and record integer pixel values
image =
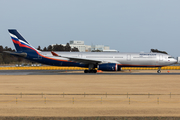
(124, 59)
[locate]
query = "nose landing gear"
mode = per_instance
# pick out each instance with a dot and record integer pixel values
(159, 70)
(91, 69)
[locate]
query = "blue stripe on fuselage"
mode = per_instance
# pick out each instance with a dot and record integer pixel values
(53, 62)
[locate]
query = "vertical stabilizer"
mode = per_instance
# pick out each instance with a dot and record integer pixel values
(20, 43)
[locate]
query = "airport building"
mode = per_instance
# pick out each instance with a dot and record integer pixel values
(99, 47)
(78, 44)
(86, 48)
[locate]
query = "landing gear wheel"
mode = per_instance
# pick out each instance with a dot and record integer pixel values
(159, 71)
(90, 71)
(94, 71)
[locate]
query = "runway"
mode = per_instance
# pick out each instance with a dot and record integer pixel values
(71, 72)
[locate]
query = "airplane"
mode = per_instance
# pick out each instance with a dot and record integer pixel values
(94, 61)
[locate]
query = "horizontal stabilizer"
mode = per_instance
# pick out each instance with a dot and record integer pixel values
(18, 54)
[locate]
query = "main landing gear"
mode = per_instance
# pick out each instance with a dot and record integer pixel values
(159, 70)
(91, 69)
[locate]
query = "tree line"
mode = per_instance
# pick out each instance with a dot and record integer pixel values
(59, 48)
(6, 58)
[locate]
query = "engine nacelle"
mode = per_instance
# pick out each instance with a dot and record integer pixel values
(108, 67)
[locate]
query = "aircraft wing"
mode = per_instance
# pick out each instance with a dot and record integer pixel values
(83, 60)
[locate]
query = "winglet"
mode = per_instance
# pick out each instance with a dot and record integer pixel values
(54, 54)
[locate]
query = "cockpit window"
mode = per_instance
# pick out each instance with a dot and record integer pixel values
(170, 57)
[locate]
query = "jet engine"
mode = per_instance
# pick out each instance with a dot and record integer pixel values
(108, 67)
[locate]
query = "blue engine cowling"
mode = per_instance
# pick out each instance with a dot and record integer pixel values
(109, 67)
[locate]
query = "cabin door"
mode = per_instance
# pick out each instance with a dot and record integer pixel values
(160, 57)
(39, 57)
(80, 55)
(128, 57)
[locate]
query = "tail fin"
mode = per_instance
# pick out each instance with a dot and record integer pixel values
(20, 43)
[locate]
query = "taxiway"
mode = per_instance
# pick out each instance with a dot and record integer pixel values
(71, 72)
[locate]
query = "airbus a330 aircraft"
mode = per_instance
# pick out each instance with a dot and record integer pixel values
(101, 60)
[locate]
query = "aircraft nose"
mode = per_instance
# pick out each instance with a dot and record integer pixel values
(174, 61)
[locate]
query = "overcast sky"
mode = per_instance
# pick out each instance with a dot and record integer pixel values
(124, 25)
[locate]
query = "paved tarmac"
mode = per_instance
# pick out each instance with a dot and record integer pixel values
(69, 72)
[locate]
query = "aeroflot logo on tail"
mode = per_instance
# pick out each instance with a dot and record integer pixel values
(148, 54)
